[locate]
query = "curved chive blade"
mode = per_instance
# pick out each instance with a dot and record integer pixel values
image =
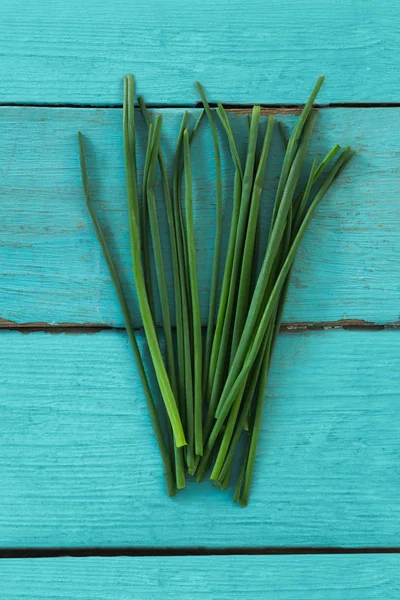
(196, 320)
(292, 145)
(185, 366)
(134, 231)
(171, 489)
(179, 388)
(158, 252)
(175, 263)
(161, 281)
(170, 218)
(237, 193)
(315, 173)
(328, 158)
(240, 340)
(130, 145)
(303, 199)
(187, 369)
(221, 112)
(218, 236)
(144, 224)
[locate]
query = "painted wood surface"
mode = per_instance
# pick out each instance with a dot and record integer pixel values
(352, 577)
(79, 465)
(51, 266)
(244, 52)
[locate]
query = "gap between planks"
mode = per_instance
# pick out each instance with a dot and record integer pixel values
(266, 109)
(13, 553)
(90, 328)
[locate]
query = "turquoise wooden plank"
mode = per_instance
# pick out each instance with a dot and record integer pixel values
(51, 266)
(80, 468)
(368, 576)
(244, 52)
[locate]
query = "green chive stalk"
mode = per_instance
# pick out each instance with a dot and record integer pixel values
(161, 281)
(237, 193)
(292, 146)
(168, 471)
(251, 234)
(228, 317)
(285, 202)
(196, 320)
(174, 255)
(185, 366)
(144, 223)
(238, 254)
(134, 230)
(218, 237)
(158, 252)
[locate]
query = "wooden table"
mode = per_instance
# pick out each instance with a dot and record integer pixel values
(83, 510)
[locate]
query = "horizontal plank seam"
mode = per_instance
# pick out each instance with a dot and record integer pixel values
(18, 553)
(91, 328)
(240, 108)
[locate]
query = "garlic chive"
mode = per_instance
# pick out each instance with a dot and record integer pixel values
(242, 302)
(218, 236)
(169, 477)
(144, 224)
(237, 193)
(230, 391)
(134, 231)
(271, 252)
(224, 348)
(161, 281)
(196, 321)
(215, 398)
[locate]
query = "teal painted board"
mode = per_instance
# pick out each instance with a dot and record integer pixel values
(244, 52)
(51, 266)
(80, 467)
(352, 577)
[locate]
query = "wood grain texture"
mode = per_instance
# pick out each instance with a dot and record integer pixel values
(51, 266)
(243, 52)
(80, 468)
(370, 577)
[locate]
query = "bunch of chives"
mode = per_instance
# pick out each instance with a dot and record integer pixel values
(214, 393)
